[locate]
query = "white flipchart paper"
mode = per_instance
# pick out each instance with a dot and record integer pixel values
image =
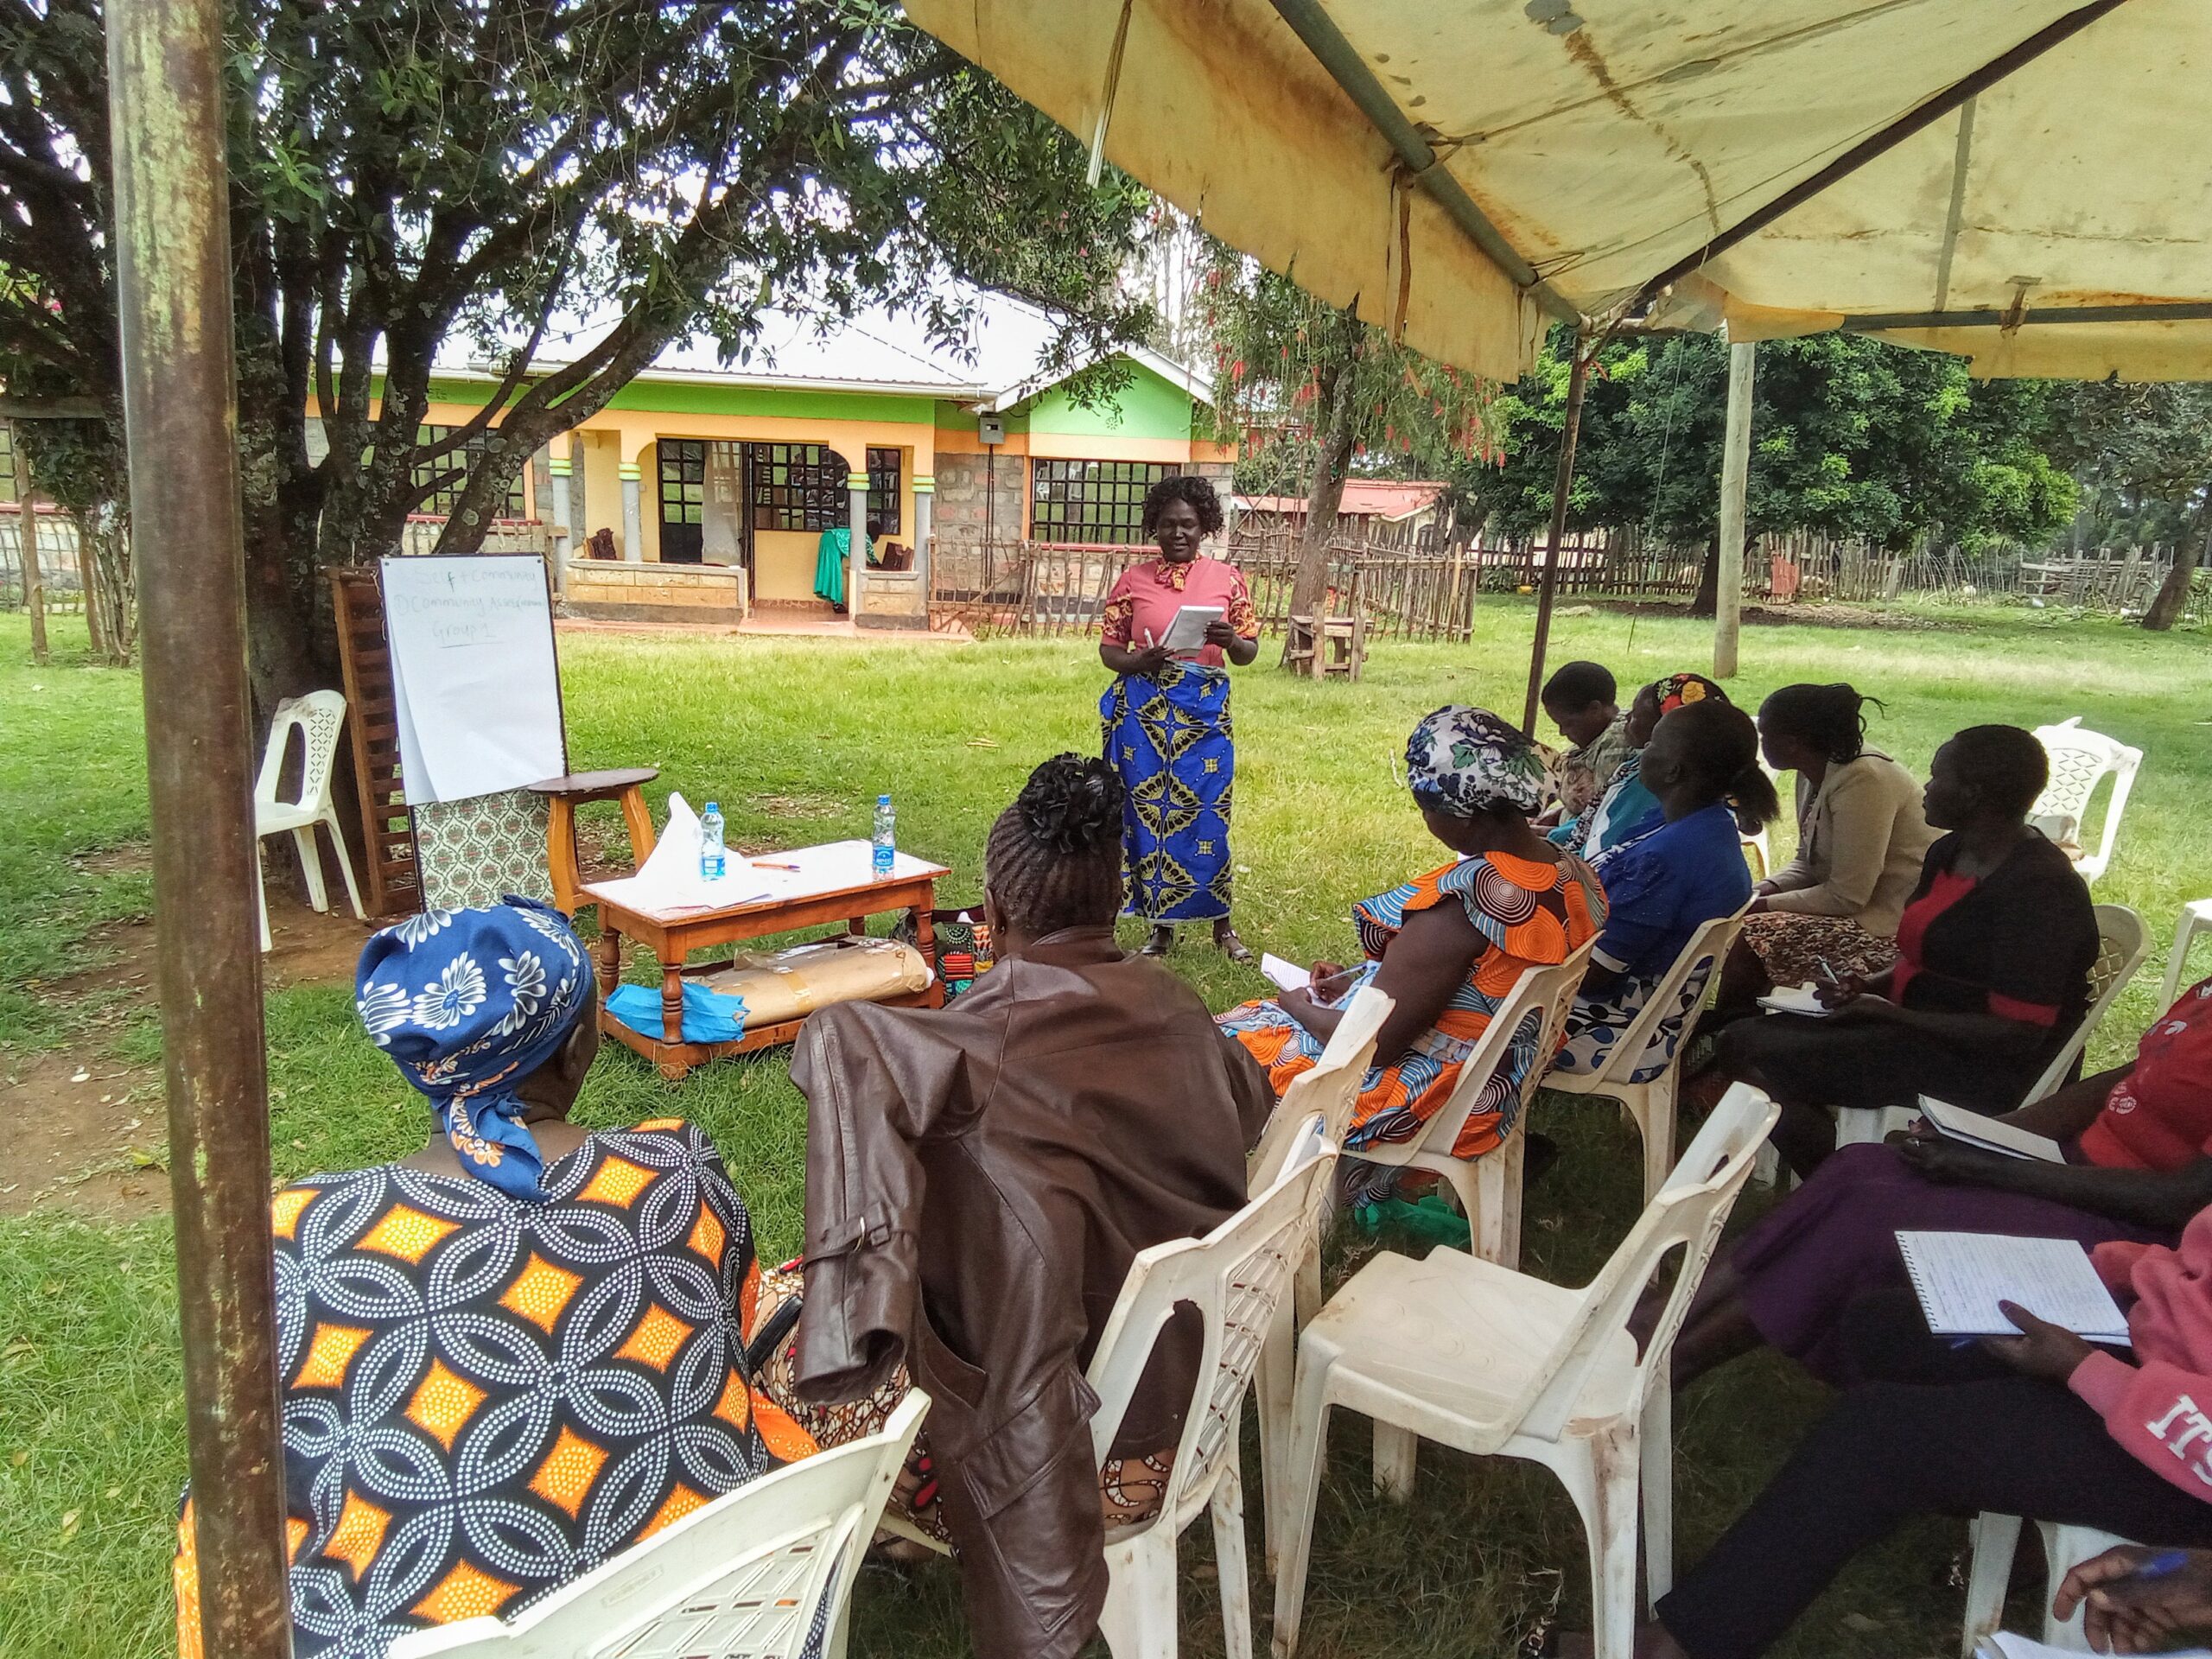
(476, 691)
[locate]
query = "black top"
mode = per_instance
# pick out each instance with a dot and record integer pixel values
(2017, 943)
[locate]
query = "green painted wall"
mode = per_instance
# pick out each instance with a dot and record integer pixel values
(1151, 406)
(686, 397)
(958, 417)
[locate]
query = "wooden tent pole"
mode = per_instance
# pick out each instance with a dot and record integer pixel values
(1547, 588)
(172, 205)
(1735, 475)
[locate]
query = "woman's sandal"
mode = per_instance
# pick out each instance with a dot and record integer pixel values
(1161, 942)
(1229, 945)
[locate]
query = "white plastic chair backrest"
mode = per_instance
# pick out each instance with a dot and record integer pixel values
(2123, 946)
(2080, 760)
(1331, 1087)
(1689, 1211)
(1236, 1276)
(317, 717)
(756, 1571)
(1547, 993)
(1706, 948)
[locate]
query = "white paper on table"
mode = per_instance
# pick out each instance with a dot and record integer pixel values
(476, 694)
(670, 878)
(1188, 631)
(1961, 1277)
(1796, 999)
(1285, 975)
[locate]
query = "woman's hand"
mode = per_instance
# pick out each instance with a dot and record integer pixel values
(2042, 1349)
(1844, 988)
(1930, 1154)
(1220, 635)
(1326, 980)
(2125, 1610)
(1860, 1009)
(1758, 906)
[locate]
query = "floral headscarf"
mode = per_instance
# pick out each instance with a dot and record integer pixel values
(1465, 761)
(1677, 689)
(467, 1003)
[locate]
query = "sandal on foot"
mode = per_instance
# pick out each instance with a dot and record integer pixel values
(1161, 942)
(1232, 947)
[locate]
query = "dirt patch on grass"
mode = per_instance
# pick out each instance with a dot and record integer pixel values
(86, 1130)
(82, 1136)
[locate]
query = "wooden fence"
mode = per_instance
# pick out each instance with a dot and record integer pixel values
(1050, 590)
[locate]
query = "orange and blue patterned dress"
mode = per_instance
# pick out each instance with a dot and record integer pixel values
(1529, 914)
(485, 1399)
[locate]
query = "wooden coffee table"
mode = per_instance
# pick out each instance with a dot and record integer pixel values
(833, 883)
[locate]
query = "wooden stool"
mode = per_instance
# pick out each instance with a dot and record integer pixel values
(565, 795)
(1339, 645)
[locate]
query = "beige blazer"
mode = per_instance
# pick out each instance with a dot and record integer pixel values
(1861, 841)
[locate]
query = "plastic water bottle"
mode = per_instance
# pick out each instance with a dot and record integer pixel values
(885, 836)
(713, 859)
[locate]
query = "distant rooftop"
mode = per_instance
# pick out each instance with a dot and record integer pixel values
(1388, 499)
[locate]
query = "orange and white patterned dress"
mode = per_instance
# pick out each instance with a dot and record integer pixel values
(1529, 913)
(484, 1398)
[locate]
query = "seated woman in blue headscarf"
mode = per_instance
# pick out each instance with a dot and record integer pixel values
(1685, 868)
(510, 1356)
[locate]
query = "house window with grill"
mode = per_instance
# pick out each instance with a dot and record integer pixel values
(883, 491)
(1091, 501)
(446, 497)
(799, 486)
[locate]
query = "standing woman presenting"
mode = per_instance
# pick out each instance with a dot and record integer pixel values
(1166, 717)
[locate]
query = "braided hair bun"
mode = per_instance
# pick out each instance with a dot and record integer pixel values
(1054, 857)
(1071, 805)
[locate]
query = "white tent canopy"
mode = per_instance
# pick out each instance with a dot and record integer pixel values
(2022, 181)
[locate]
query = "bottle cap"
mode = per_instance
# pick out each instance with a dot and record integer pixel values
(883, 800)
(712, 807)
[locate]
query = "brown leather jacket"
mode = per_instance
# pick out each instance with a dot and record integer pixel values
(978, 1179)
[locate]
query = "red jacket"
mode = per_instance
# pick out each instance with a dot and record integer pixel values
(2160, 1407)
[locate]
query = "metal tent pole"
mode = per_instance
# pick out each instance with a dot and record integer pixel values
(1548, 590)
(174, 282)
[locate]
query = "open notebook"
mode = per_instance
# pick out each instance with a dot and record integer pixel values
(1956, 1123)
(2005, 1645)
(1961, 1278)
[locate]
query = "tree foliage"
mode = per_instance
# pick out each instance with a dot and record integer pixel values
(562, 186)
(2144, 455)
(1850, 436)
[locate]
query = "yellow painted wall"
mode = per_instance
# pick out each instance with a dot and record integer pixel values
(602, 486)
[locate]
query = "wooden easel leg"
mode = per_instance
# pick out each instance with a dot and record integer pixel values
(639, 822)
(561, 854)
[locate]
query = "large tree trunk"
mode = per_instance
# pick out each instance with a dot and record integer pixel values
(1338, 426)
(1708, 599)
(2172, 597)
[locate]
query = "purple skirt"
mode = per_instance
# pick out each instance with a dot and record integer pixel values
(1834, 1240)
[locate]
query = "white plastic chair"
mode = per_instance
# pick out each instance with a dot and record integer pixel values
(1489, 1188)
(2196, 917)
(2079, 760)
(1237, 1277)
(1330, 1089)
(757, 1572)
(1651, 1105)
(1996, 1538)
(2123, 946)
(1474, 1356)
(317, 717)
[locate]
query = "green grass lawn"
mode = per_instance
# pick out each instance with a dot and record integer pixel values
(795, 738)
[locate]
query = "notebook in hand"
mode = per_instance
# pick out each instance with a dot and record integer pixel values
(2004, 1644)
(1284, 976)
(1188, 631)
(1956, 1123)
(1961, 1278)
(1796, 999)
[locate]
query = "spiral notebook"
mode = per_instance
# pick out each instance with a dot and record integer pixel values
(1961, 1278)
(2004, 1644)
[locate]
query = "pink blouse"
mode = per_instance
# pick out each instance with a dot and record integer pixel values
(1145, 601)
